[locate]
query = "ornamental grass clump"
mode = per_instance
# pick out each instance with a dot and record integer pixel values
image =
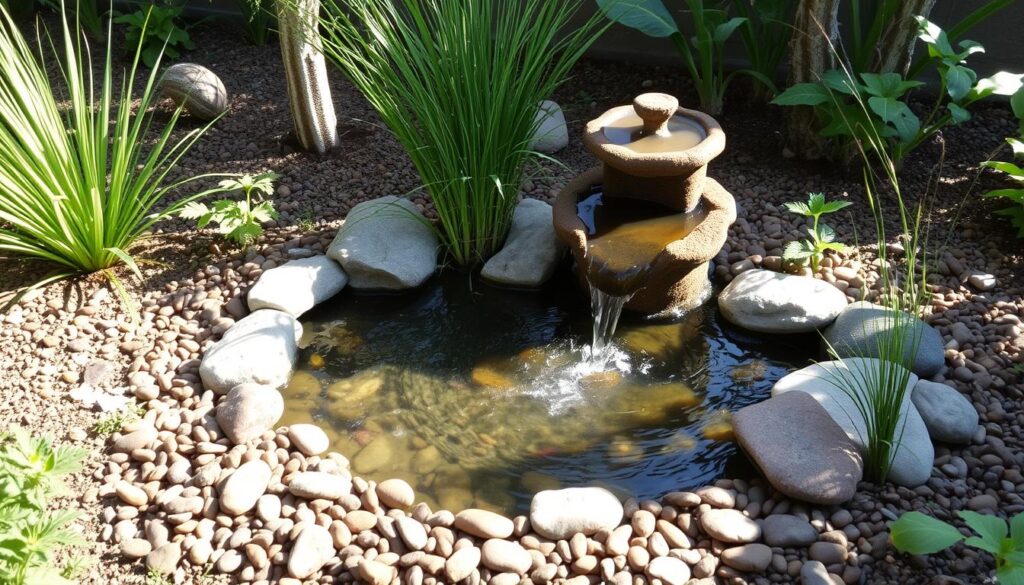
(79, 178)
(459, 83)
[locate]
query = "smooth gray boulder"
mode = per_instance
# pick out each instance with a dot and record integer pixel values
(772, 302)
(532, 250)
(552, 134)
(297, 286)
(262, 348)
(948, 414)
(248, 411)
(854, 334)
(385, 244)
(912, 464)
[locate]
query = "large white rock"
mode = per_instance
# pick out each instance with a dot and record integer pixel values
(262, 348)
(532, 250)
(552, 134)
(772, 302)
(312, 549)
(243, 488)
(948, 414)
(385, 244)
(558, 514)
(298, 286)
(912, 464)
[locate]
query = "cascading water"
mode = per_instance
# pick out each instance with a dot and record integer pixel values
(606, 310)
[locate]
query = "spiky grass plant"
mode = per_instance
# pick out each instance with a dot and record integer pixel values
(459, 83)
(880, 393)
(79, 179)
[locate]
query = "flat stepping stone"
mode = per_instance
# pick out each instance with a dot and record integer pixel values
(385, 244)
(912, 464)
(772, 302)
(262, 348)
(855, 334)
(298, 286)
(532, 251)
(800, 450)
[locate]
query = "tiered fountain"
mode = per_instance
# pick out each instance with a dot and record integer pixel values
(644, 226)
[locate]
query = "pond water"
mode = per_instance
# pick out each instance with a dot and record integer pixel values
(479, 396)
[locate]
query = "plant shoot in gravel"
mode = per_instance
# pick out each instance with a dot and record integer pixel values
(823, 237)
(1012, 171)
(31, 471)
(920, 534)
(157, 31)
(79, 182)
(238, 221)
(459, 83)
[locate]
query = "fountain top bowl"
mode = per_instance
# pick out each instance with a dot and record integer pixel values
(654, 137)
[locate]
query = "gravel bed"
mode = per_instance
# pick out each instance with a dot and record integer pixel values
(185, 303)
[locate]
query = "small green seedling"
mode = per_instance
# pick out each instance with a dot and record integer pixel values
(919, 534)
(823, 237)
(238, 221)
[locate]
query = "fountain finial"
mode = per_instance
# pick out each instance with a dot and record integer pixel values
(655, 109)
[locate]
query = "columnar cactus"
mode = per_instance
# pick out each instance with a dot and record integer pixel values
(309, 95)
(816, 31)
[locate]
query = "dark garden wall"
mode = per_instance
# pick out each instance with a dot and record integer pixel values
(1001, 35)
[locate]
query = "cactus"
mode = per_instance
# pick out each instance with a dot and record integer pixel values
(309, 94)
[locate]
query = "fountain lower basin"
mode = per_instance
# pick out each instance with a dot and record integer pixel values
(479, 397)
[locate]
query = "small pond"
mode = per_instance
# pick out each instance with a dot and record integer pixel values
(479, 396)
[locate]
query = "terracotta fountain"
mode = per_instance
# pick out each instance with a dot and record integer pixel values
(644, 225)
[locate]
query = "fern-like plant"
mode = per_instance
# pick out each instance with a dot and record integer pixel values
(238, 221)
(31, 472)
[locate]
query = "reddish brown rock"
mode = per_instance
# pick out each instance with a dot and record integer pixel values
(799, 448)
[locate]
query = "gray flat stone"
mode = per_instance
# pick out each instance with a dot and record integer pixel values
(912, 464)
(532, 250)
(772, 302)
(948, 414)
(385, 244)
(800, 449)
(261, 348)
(854, 334)
(298, 286)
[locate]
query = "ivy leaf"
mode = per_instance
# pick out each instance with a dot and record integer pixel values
(936, 39)
(837, 80)
(1002, 83)
(803, 94)
(898, 114)
(886, 84)
(827, 234)
(958, 114)
(918, 534)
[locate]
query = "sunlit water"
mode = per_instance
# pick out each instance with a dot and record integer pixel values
(480, 396)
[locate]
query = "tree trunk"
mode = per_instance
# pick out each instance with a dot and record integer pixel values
(811, 54)
(309, 94)
(896, 46)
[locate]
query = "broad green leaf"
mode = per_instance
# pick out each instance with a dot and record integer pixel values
(802, 94)
(1006, 167)
(958, 114)
(935, 37)
(958, 82)
(970, 48)
(1010, 575)
(815, 202)
(837, 80)
(725, 30)
(1012, 194)
(1017, 104)
(834, 206)
(647, 16)
(883, 84)
(826, 234)
(1017, 146)
(919, 534)
(1015, 557)
(798, 251)
(991, 529)
(193, 210)
(898, 114)
(1017, 531)
(1002, 83)
(980, 543)
(797, 207)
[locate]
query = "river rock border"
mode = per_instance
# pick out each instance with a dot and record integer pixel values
(276, 508)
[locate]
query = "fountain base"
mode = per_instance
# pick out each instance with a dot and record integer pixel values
(678, 279)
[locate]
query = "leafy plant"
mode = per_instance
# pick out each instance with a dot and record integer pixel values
(823, 237)
(1012, 171)
(459, 82)
(116, 420)
(920, 534)
(765, 34)
(79, 182)
(31, 471)
(837, 97)
(238, 221)
(702, 53)
(157, 30)
(257, 18)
